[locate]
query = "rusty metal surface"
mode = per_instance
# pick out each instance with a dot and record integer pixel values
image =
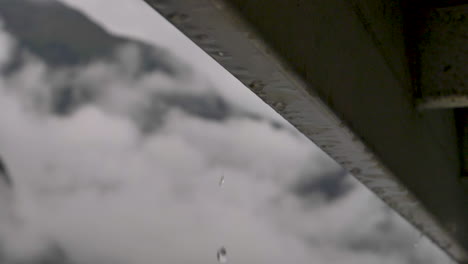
(221, 32)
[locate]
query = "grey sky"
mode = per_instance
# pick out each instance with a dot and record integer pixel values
(99, 185)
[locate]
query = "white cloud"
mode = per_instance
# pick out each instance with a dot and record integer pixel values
(137, 20)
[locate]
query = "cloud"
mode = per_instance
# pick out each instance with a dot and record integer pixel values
(144, 24)
(92, 186)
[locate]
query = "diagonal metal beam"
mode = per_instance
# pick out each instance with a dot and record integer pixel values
(336, 70)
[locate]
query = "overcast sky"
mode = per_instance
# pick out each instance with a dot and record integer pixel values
(133, 175)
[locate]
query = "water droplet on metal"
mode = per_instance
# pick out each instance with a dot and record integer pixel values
(256, 85)
(279, 106)
(221, 255)
(220, 53)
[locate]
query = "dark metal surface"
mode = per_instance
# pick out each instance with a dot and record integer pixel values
(462, 123)
(442, 46)
(435, 3)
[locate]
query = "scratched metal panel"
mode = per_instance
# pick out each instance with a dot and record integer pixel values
(224, 35)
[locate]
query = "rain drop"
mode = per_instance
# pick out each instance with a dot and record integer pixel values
(221, 255)
(221, 181)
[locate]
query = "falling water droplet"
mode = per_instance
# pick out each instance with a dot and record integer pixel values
(221, 255)
(221, 181)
